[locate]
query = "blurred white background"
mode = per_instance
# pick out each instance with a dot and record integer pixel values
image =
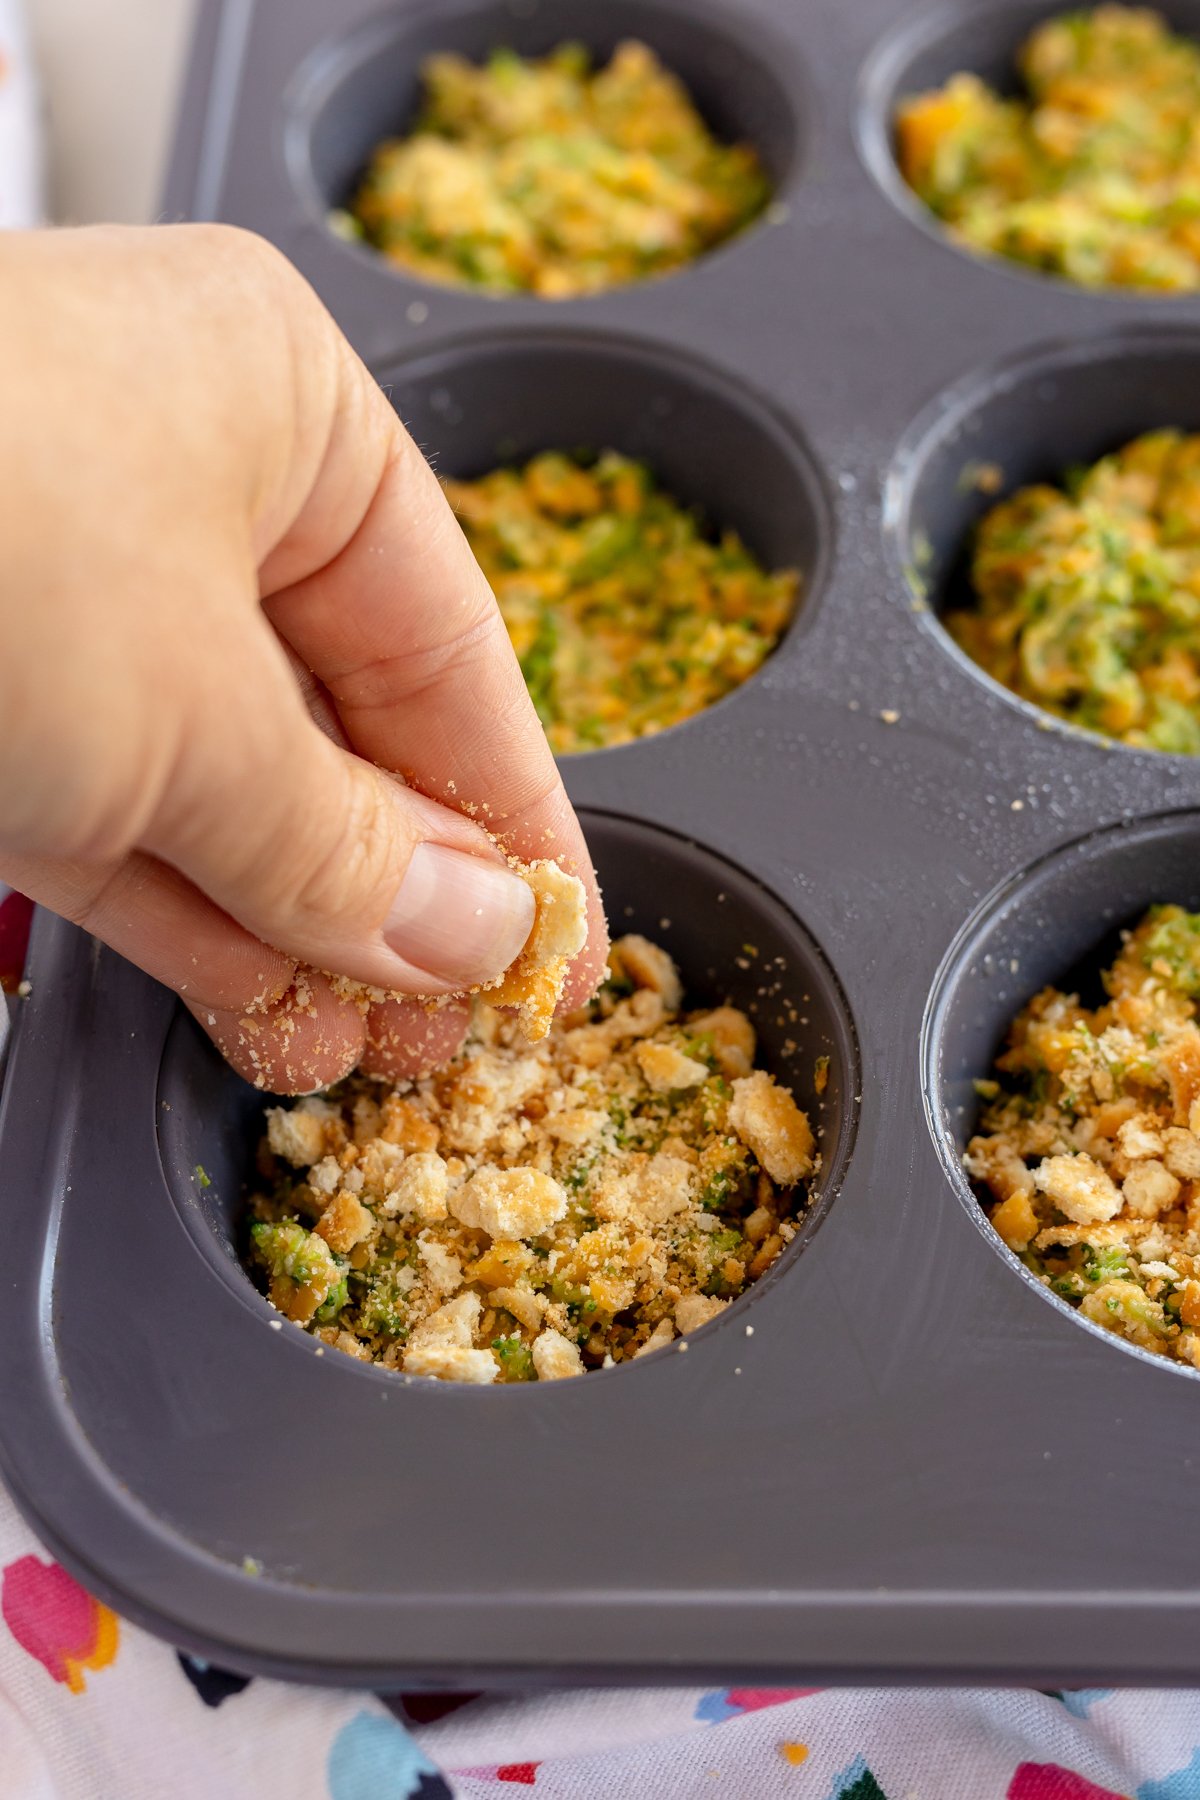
(110, 73)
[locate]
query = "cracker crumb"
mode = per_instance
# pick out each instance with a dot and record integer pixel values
(667, 1069)
(1085, 1144)
(533, 1211)
(533, 986)
(662, 1335)
(768, 1121)
(510, 1203)
(1079, 1187)
(694, 1310)
(441, 1345)
(555, 1357)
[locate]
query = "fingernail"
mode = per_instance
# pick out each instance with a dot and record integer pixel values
(459, 917)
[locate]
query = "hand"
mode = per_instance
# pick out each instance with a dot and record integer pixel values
(258, 703)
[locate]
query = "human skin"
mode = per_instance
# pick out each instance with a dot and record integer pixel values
(257, 704)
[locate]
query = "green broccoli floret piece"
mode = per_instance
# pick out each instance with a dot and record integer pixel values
(699, 1046)
(514, 1356)
(330, 1308)
(1174, 942)
(715, 1192)
(301, 1255)
(717, 1247)
(1103, 1262)
(383, 1311)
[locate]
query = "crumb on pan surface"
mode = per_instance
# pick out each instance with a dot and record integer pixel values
(537, 1210)
(1092, 174)
(546, 176)
(1089, 595)
(625, 617)
(1089, 1141)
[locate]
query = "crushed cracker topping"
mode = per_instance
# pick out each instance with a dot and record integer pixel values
(1088, 1143)
(537, 1210)
(534, 983)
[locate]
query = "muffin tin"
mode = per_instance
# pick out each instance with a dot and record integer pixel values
(897, 1458)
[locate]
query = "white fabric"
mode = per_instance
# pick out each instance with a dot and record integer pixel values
(20, 134)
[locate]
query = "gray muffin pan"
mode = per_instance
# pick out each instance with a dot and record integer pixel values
(897, 1458)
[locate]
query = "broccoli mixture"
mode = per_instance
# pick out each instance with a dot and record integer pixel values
(1089, 1141)
(550, 178)
(625, 617)
(1089, 595)
(534, 1211)
(1094, 175)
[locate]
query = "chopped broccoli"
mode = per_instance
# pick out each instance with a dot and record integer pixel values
(1173, 943)
(332, 1306)
(514, 1356)
(1102, 1262)
(289, 1250)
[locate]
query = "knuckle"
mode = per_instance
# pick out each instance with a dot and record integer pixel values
(349, 871)
(106, 898)
(533, 785)
(102, 834)
(416, 670)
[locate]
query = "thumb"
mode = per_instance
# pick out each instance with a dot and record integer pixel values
(323, 855)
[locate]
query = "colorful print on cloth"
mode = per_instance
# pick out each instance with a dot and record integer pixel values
(1184, 1784)
(212, 1684)
(56, 1621)
(827, 1744)
(856, 1782)
(374, 1758)
(720, 1704)
(522, 1774)
(1080, 1701)
(1047, 1781)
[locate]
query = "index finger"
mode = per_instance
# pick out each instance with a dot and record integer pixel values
(399, 624)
